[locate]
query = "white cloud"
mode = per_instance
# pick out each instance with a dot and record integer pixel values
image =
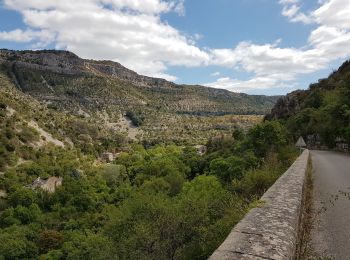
(334, 13)
(132, 32)
(269, 59)
(180, 7)
(291, 10)
(19, 35)
(215, 74)
(144, 6)
(277, 67)
(284, 2)
(236, 85)
(127, 31)
(331, 12)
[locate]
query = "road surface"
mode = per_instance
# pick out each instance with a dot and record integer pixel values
(331, 233)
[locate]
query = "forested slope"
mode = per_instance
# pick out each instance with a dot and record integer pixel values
(158, 197)
(107, 93)
(163, 202)
(322, 111)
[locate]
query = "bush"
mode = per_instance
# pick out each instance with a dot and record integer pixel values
(266, 137)
(49, 240)
(227, 169)
(88, 245)
(255, 182)
(136, 118)
(27, 214)
(2, 106)
(114, 175)
(28, 135)
(22, 196)
(16, 244)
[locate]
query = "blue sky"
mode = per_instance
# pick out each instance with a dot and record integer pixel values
(253, 46)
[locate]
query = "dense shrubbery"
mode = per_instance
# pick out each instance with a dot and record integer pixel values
(159, 202)
(322, 111)
(165, 202)
(136, 117)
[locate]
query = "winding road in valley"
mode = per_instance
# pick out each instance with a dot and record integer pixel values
(331, 233)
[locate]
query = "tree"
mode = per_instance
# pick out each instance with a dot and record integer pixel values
(16, 243)
(88, 245)
(144, 226)
(22, 196)
(202, 206)
(114, 175)
(268, 136)
(49, 240)
(27, 215)
(227, 169)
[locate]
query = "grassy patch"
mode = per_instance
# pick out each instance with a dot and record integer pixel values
(304, 249)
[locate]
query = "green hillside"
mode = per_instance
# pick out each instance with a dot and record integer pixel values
(104, 92)
(321, 113)
(97, 167)
(70, 82)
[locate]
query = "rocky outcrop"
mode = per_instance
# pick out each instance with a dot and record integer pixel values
(66, 62)
(287, 105)
(67, 82)
(48, 185)
(56, 61)
(116, 70)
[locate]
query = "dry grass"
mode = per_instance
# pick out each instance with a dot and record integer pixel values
(304, 248)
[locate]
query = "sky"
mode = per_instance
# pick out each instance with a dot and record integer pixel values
(267, 47)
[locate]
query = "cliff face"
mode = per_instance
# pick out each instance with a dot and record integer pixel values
(296, 101)
(66, 81)
(321, 114)
(287, 105)
(65, 62)
(56, 61)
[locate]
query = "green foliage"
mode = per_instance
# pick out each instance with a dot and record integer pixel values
(256, 182)
(17, 243)
(165, 202)
(158, 201)
(22, 196)
(27, 215)
(49, 240)
(28, 135)
(183, 227)
(87, 245)
(114, 175)
(136, 117)
(228, 169)
(266, 137)
(322, 111)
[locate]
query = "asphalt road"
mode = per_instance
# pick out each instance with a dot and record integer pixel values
(331, 233)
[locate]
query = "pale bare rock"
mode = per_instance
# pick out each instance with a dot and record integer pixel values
(46, 84)
(132, 130)
(69, 142)
(3, 194)
(48, 138)
(83, 113)
(10, 111)
(21, 161)
(48, 185)
(125, 125)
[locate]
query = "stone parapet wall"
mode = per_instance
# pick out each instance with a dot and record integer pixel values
(270, 231)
